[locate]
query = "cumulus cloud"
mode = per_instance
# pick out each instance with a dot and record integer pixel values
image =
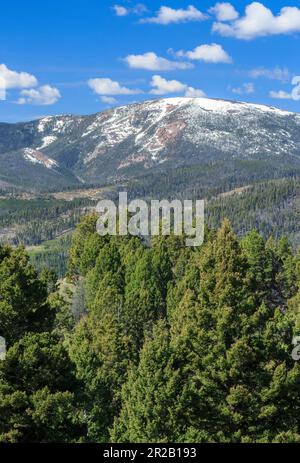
(281, 74)
(280, 95)
(213, 53)
(245, 89)
(293, 95)
(120, 10)
(260, 21)
(161, 86)
(151, 62)
(224, 11)
(108, 87)
(14, 79)
(167, 15)
(2, 89)
(108, 99)
(43, 96)
(194, 93)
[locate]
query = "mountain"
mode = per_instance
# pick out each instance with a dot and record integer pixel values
(193, 140)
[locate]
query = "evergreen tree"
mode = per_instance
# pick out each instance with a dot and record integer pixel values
(108, 270)
(38, 392)
(23, 302)
(144, 302)
(100, 354)
(85, 233)
(227, 370)
(153, 342)
(149, 394)
(235, 355)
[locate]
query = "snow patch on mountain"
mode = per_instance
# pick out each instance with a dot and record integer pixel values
(161, 129)
(56, 124)
(224, 106)
(150, 127)
(43, 123)
(36, 157)
(48, 140)
(178, 130)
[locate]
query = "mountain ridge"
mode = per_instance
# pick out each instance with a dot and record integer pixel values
(154, 136)
(151, 100)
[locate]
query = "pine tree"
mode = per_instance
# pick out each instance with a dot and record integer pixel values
(23, 303)
(227, 370)
(38, 392)
(235, 356)
(85, 230)
(99, 351)
(107, 272)
(149, 395)
(144, 302)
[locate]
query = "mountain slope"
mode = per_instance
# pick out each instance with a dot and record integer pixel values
(150, 138)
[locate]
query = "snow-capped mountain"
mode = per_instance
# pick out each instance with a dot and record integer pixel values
(154, 136)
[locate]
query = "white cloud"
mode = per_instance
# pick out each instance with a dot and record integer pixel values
(194, 93)
(260, 21)
(151, 62)
(120, 10)
(161, 86)
(224, 12)
(281, 95)
(14, 79)
(108, 99)
(167, 15)
(245, 89)
(2, 89)
(282, 74)
(44, 96)
(108, 87)
(293, 95)
(213, 53)
(138, 9)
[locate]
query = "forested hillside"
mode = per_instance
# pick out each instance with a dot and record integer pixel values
(160, 343)
(44, 224)
(272, 207)
(33, 221)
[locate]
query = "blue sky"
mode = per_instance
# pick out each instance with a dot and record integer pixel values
(81, 57)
